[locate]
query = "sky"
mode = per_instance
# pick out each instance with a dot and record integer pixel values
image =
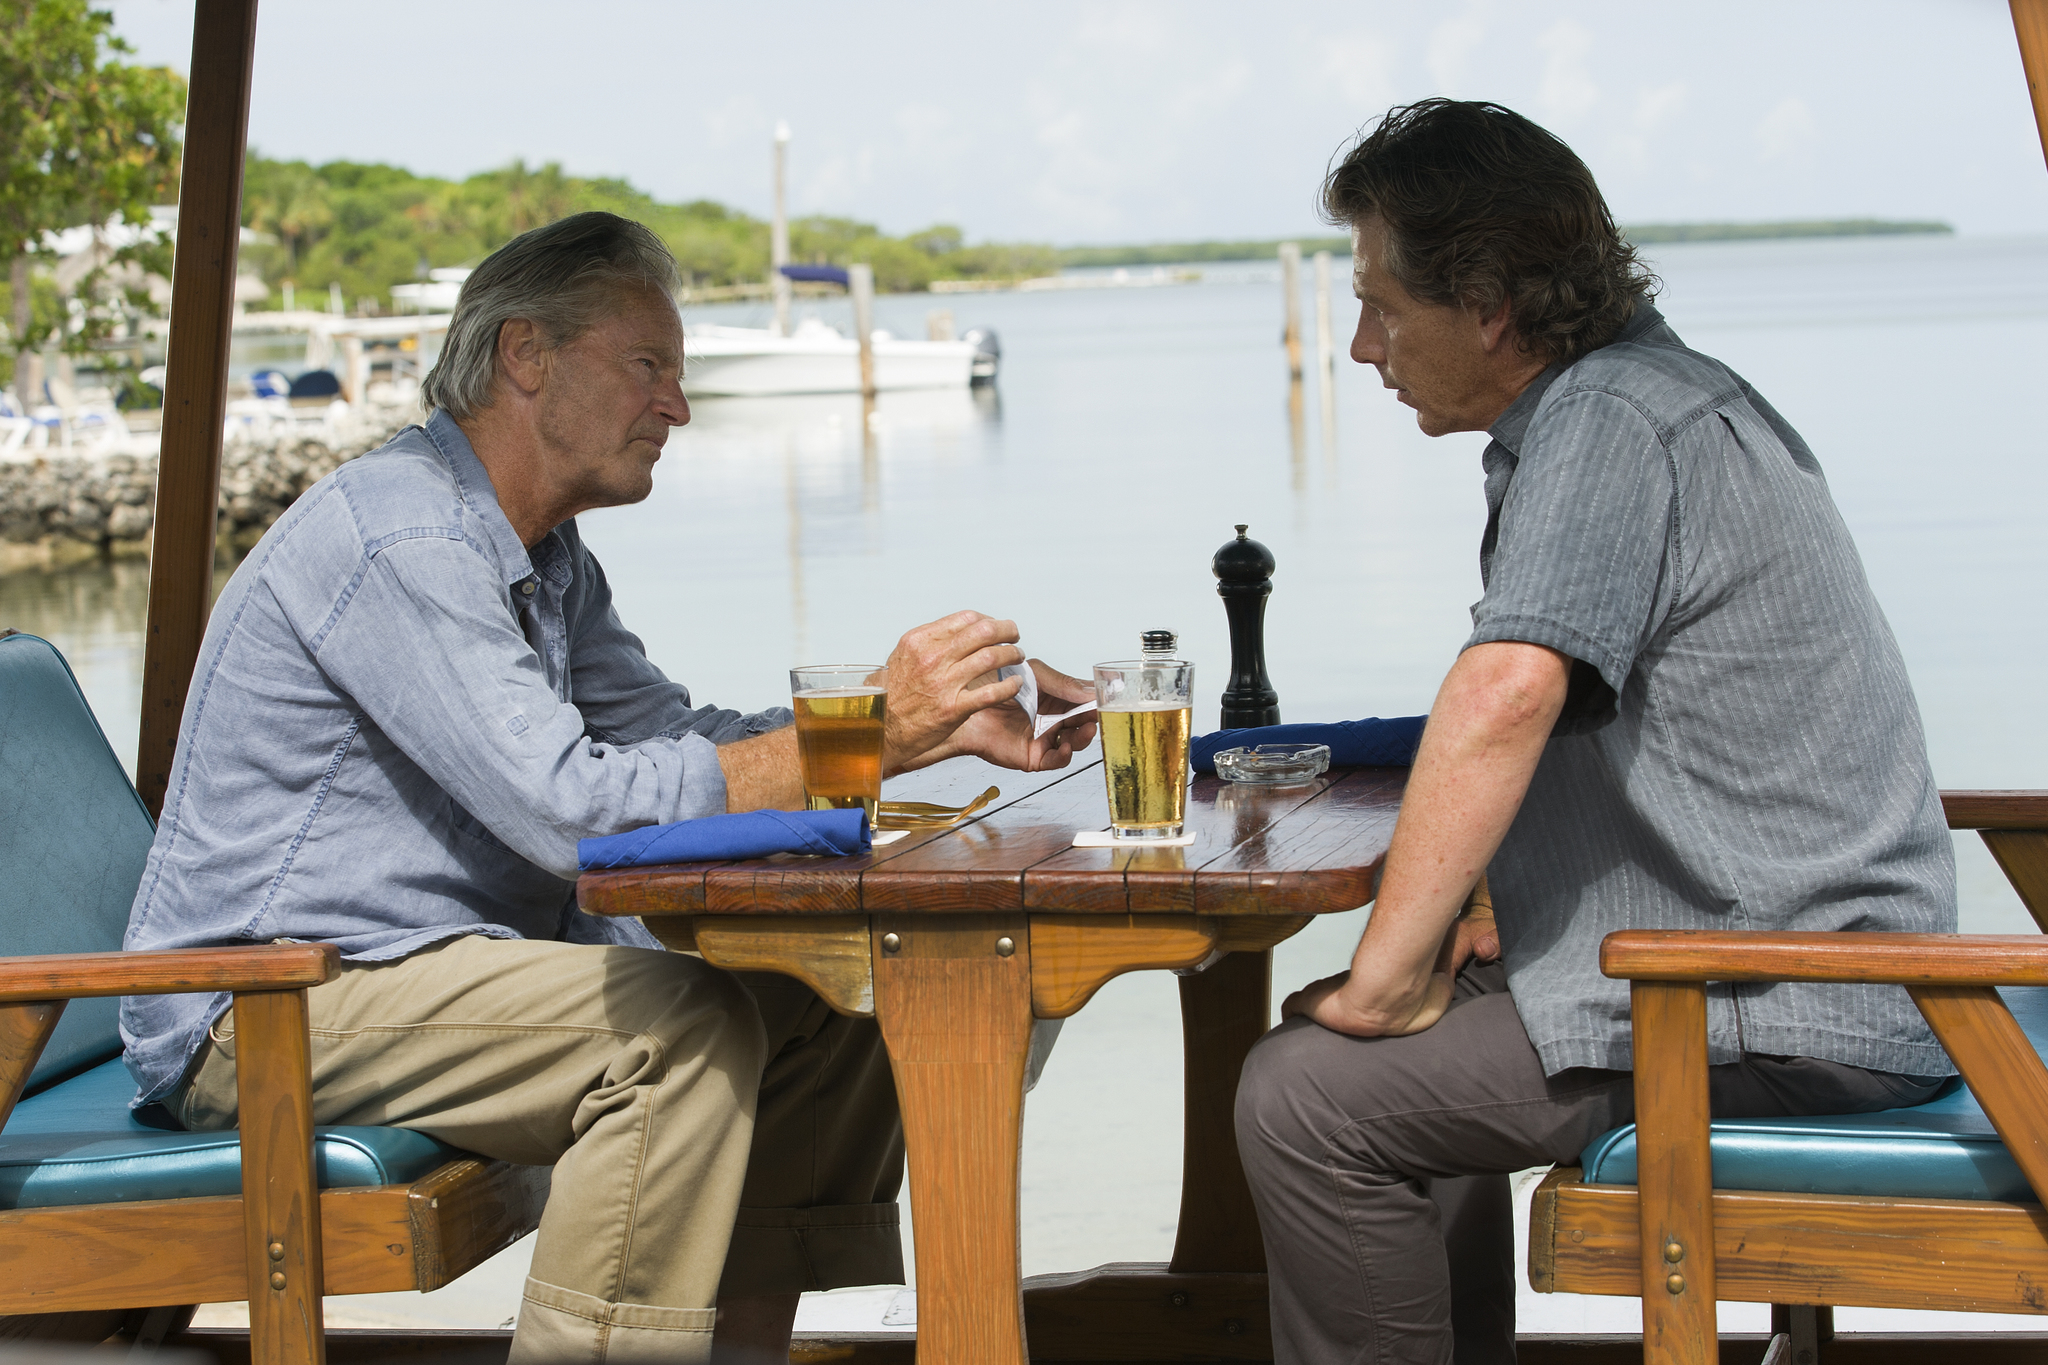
(1132, 121)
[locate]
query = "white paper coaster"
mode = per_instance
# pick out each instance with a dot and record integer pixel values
(1100, 838)
(886, 836)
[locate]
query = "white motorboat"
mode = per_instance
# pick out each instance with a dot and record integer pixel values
(816, 358)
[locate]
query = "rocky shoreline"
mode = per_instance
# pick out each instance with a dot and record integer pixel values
(57, 509)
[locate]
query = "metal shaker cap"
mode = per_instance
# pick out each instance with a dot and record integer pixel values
(1159, 642)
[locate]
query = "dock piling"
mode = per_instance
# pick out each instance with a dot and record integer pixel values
(860, 282)
(1290, 288)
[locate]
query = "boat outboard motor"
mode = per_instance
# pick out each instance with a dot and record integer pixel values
(988, 354)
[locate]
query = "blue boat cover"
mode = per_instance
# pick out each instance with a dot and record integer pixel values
(79, 1143)
(818, 274)
(1944, 1149)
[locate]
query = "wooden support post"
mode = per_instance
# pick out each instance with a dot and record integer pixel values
(25, 1028)
(280, 1199)
(2022, 855)
(1674, 1172)
(195, 387)
(2030, 24)
(1223, 1011)
(860, 282)
(2000, 1065)
(953, 996)
(1290, 288)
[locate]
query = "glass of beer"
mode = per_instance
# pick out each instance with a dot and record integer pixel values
(839, 710)
(1147, 711)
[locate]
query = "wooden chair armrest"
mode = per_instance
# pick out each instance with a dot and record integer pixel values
(1894, 959)
(1996, 810)
(259, 967)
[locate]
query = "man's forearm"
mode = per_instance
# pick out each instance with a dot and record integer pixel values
(1486, 733)
(761, 773)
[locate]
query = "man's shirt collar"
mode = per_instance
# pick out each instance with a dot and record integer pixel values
(1512, 425)
(474, 481)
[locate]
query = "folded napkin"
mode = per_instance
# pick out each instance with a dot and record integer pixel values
(728, 838)
(1367, 743)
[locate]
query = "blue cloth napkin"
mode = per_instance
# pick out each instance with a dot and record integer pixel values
(728, 838)
(1368, 743)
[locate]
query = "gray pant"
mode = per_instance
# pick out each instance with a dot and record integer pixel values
(1380, 1168)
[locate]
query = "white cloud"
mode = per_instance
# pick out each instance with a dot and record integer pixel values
(1788, 132)
(1358, 67)
(1451, 45)
(1655, 108)
(1567, 93)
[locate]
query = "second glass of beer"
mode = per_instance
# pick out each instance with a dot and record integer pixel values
(1147, 711)
(839, 714)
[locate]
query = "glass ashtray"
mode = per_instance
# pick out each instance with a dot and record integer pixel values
(1273, 764)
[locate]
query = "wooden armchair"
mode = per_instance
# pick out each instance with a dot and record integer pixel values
(1906, 1209)
(101, 1214)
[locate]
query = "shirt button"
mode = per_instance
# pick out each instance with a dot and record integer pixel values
(528, 586)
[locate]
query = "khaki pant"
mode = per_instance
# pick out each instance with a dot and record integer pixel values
(711, 1134)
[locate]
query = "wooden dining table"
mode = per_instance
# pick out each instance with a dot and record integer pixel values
(957, 941)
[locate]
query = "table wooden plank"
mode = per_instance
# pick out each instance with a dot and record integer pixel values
(1161, 880)
(788, 884)
(1289, 851)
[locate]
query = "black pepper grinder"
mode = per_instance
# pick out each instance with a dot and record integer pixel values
(1244, 573)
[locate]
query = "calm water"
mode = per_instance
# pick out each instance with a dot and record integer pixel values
(1133, 427)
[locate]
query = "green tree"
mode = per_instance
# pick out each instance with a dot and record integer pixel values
(84, 138)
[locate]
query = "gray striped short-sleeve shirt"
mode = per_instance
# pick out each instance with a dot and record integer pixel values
(1740, 747)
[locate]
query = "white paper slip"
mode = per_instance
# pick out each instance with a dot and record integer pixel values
(1100, 838)
(1027, 697)
(1044, 723)
(887, 836)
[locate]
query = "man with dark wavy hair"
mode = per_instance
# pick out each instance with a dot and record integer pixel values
(1680, 707)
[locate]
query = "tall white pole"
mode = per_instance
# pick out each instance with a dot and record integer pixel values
(778, 235)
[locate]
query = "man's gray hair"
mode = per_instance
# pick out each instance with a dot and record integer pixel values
(563, 277)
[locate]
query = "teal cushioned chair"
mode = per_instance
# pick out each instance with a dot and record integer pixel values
(1936, 1206)
(75, 1161)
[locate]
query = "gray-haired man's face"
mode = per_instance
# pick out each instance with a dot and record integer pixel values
(609, 398)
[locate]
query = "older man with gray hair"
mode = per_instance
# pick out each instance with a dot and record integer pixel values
(413, 699)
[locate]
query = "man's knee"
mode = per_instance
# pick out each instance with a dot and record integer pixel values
(1276, 1094)
(688, 1006)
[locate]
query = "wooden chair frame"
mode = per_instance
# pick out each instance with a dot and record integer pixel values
(281, 1244)
(1681, 1244)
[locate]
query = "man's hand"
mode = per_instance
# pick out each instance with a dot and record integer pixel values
(1340, 1005)
(940, 675)
(1473, 938)
(1002, 733)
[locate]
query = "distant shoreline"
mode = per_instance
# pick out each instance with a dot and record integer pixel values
(1642, 234)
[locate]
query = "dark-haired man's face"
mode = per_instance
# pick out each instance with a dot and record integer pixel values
(1459, 371)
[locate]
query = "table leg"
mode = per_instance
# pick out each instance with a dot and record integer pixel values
(953, 997)
(1223, 1011)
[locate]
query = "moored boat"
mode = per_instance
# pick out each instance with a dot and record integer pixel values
(817, 358)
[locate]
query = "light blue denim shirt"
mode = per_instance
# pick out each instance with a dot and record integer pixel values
(400, 724)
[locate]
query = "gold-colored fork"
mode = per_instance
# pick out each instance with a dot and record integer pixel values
(923, 815)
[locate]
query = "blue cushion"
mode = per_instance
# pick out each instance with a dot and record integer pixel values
(1944, 1149)
(78, 1143)
(73, 837)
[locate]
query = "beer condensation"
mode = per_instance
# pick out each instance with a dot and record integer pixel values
(1145, 758)
(839, 747)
